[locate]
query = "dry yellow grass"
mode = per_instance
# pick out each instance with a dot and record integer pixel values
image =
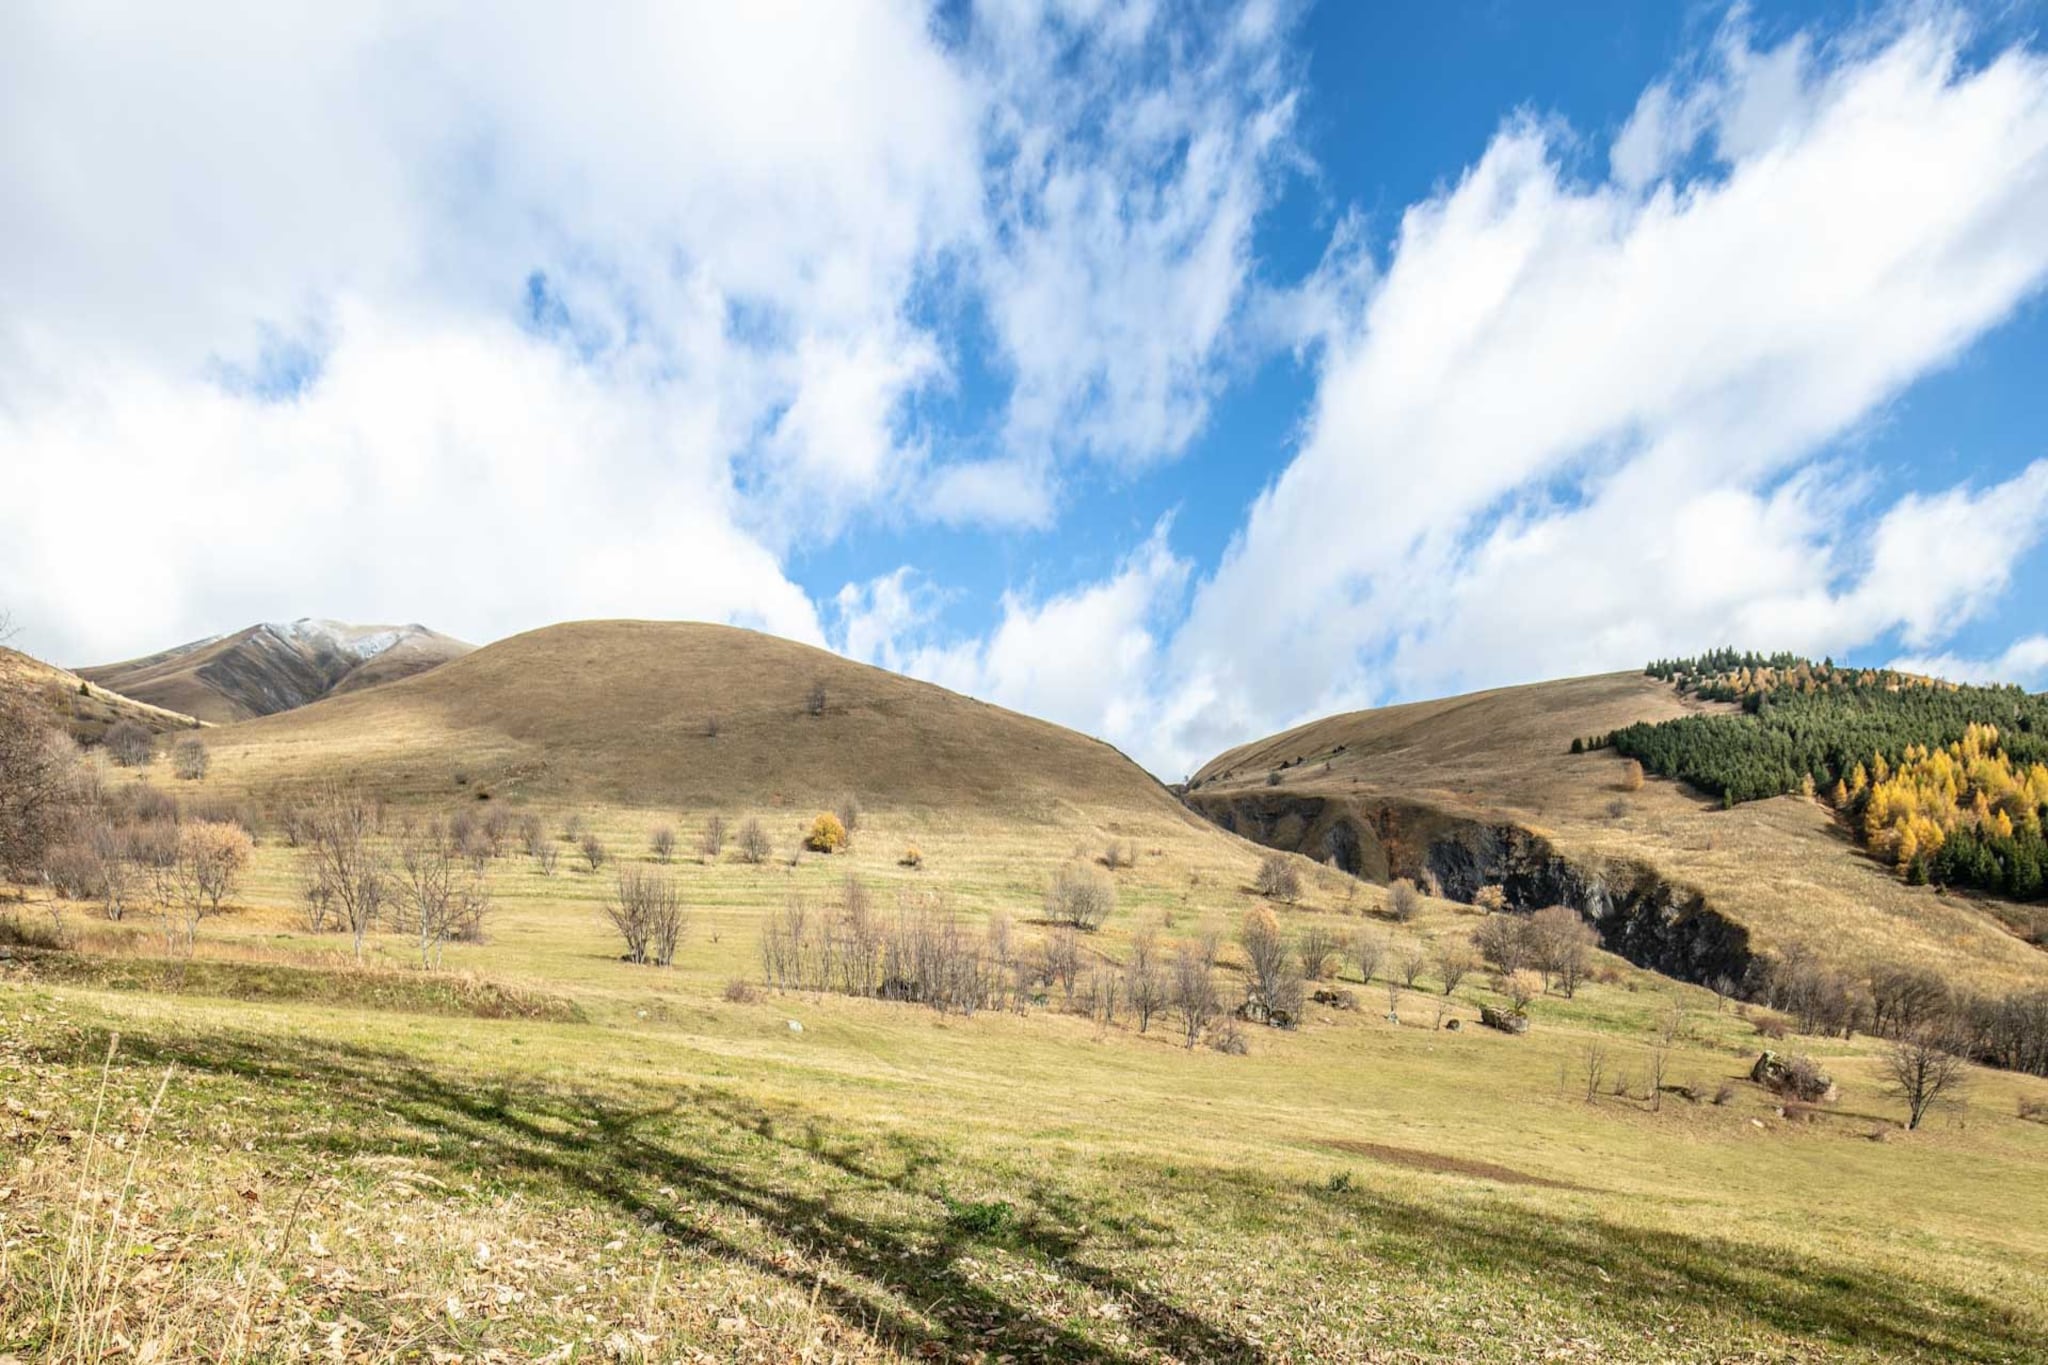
(85, 710)
(622, 1163)
(1784, 868)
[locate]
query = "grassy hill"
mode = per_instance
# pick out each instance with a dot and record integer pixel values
(83, 709)
(259, 1149)
(1418, 787)
(683, 715)
(275, 667)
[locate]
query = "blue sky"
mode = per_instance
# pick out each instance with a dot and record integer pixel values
(1177, 371)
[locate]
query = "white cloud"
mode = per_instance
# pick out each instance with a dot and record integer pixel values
(1124, 213)
(266, 277)
(2024, 662)
(1088, 658)
(1557, 436)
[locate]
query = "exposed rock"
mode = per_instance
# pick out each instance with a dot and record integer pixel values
(1507, 1021)
(1640, 916)
(1794, 1076)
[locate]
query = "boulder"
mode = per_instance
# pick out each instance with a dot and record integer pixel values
(1797, 1077)
(1336, 998)
(1507, 1021)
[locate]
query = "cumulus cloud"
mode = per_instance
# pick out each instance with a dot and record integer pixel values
(1088, 658)
(2025, 662)
(376, 311)
(1575, 425)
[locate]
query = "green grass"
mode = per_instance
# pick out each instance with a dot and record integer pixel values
(665, 1174)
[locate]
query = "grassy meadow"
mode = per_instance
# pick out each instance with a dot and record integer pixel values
(543, 1152)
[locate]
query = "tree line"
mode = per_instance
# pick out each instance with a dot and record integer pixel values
(1947, 781)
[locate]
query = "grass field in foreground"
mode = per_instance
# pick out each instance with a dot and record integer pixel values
(642, 1169)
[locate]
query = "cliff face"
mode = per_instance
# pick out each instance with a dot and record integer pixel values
(1640, 915)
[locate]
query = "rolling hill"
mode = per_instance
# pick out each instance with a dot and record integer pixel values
(275, 666)
(1484, 789)
(684, 715)
(84, 709)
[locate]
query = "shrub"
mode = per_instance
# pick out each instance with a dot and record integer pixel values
(912, 858)
(662, 844)
(130, 744)
(1520, 988)
(1631, 776)
(1119, 854)
(189, 759)
(1404, 900)
(848, 810)
(1228, 1038)
(1724, 1094)
(740, 991)
(814, 700)
(1079, 895)
(1278, 878)
(752, 842)
(1492, 899)
(1408, 964)
(713, 841)
(593, 851)
(826, 835)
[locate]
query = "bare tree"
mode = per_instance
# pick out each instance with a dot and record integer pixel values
(130, 744)
(1454, 961)
(1316, 946)
(663, 844)
(533, 834)
(1922, 1068)
(1194, 992)
(593, 851)
(1273, 985)
(753, 842)
(190, 759)
(211, 856)
(848, 809)
(36, 787)
(1145, 984)
(440, 894)
(344, 860)
(1404, 900)
(1409, 962)
(1060, 959)
(814, 700)
(1561, 946)
(1593, 1066)
(1503, 940)
(1278, 878)
(647, 910)
(1079, 895)
(713, 841)
(1367, 949)
(711, 726)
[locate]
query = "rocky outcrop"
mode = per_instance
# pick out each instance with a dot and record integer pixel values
(1640, 915)
(1507, 1021)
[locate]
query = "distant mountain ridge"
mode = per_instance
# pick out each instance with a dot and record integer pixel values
(275, 666)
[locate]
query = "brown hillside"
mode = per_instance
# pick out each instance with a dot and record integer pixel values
(84, 709)
(1483, 787)
(276, 667)
(620, 712)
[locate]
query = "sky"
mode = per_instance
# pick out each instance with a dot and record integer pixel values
(1175, 371)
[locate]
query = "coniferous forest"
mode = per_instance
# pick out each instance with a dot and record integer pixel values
(1947, 781)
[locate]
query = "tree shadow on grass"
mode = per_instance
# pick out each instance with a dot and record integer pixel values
(902, 1276)
(668, 1165)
